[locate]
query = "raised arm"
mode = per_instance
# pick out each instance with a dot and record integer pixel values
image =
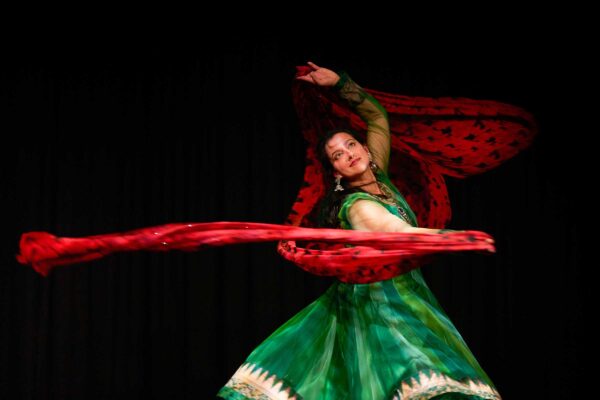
(365, 105)
(374, 115)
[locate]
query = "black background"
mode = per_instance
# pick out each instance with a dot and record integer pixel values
(112, 136)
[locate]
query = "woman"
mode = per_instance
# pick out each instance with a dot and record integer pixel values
(383, 340)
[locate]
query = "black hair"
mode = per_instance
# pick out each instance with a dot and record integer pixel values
(330, 204)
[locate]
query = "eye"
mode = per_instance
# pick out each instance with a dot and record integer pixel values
(351, 144)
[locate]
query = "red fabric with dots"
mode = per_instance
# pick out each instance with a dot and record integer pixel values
(431, 137)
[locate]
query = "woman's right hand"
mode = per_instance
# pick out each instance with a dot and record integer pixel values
(320, 76)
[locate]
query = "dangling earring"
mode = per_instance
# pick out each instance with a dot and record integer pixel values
(371, 163)
(338, 186)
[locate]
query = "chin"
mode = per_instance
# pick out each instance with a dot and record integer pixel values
(356, 170)
(362, 166)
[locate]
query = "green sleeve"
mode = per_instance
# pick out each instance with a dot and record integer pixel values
(347, 203)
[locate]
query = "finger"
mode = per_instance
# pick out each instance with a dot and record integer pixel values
(313, 65)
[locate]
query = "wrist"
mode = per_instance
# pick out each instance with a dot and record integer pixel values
(342, 78)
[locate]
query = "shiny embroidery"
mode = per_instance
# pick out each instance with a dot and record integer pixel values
(425, 387)
(258, 383)
(389, 198)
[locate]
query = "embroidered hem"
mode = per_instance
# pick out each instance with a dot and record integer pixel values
(257, 383)
(425, 386)
(253, 382)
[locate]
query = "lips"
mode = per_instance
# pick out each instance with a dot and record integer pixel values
(354, 162)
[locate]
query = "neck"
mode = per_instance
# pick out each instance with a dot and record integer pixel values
(367, 179)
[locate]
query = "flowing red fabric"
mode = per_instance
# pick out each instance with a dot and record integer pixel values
(430, 138)
(373, 253)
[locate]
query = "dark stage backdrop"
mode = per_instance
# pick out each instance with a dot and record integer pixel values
(116, 136)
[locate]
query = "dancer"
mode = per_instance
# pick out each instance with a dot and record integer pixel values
(378, 332)
(388, 339)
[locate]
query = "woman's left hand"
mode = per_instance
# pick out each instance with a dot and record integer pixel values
(320, 76)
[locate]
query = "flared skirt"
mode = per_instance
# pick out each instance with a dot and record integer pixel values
(383, 340)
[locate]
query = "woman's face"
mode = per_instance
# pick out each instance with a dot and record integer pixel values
(348, 157)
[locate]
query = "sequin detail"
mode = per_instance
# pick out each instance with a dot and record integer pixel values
(389, 198)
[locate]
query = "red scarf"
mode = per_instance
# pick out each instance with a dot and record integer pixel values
(431, 137)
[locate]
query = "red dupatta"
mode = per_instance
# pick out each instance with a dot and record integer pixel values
(431, 137)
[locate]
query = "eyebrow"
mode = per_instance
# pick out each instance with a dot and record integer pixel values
(335, 151)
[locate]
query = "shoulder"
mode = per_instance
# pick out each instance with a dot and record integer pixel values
(363, 208)
(356, 204)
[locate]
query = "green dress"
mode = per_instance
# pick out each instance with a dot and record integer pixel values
(384, 340)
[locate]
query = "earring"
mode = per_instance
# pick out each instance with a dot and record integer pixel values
(338, 186)
(371, 163)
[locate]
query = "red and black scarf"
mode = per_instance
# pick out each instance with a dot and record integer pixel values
(431, 137)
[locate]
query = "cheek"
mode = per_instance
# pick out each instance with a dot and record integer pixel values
(339, 165)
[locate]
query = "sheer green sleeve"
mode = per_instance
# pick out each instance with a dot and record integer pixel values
(369, 215)
(374, 115)
(346, 204)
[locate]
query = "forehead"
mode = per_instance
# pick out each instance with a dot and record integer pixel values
(337, 141)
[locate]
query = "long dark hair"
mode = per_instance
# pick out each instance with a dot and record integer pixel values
(330, 204)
